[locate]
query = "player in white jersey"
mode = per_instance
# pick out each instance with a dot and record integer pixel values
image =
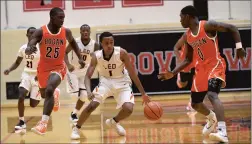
(111, 63)
(75, 75)
(28, 82)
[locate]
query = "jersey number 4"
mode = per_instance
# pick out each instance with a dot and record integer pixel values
(49, 51)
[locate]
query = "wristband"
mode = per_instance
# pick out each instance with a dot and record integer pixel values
(238, 45)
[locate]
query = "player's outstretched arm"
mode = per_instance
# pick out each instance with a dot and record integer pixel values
(213, 27)
(188, 59)
(125, 58)
(74, 46)
(35, 38)
(178, 46)
(89, 74)
(14, 65)
(69, 66)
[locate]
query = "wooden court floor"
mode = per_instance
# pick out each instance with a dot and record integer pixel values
(176, 126)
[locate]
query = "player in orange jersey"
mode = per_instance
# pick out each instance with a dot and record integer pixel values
(52, 39)
(201, 39)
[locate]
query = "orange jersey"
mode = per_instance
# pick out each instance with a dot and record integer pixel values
(52, 50)
(206, 50)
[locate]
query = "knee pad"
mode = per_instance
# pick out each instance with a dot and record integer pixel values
(214, 85)
(83, 95)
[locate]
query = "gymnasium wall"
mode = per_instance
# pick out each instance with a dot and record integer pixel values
(11, 40)
(15, 17)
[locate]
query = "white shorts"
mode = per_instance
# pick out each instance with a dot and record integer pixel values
(74, 83)
(120, 89)
(31, 85)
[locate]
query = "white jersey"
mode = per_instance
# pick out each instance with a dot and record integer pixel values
(85, 53)
(113, 68)
(31, 61)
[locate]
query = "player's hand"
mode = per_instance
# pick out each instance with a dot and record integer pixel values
(146, 99)
(90, 96)
(165, 75)
(82, 63)
(6, 72)
(70, 67)
(240, 53)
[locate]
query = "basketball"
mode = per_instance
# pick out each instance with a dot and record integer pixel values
(153, 111)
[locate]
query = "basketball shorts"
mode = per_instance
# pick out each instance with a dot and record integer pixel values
(119, 88)
(44, 75)
(30, 84)
(206, 72)
(74, 83)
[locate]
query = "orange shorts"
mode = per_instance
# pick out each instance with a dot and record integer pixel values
(44, 75)
(206, 72)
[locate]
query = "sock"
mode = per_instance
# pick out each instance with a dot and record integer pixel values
(211, 115)
(21, 118)
(222, 126)
(45, 118)
(75, 111)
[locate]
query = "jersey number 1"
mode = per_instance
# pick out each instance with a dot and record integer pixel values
(49, 50)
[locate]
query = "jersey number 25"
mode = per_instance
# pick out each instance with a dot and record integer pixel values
(49, 51)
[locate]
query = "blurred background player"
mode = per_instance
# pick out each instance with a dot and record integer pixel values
(201, 37)
(186, 74)
(52, 39)
(28, 79)
(75, 75)
(111, 62)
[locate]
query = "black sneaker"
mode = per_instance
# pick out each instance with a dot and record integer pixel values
(21, 125)
(73, 117)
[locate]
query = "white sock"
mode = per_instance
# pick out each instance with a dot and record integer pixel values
(45, 118)
(75, 111)
(211, 115)
(21, 118)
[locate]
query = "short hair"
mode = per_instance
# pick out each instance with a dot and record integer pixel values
(55, 10)
(85, 25)
(105, 34)
(29, 29)
(190, 10)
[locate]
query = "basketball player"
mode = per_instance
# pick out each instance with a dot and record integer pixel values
(201, 38)
(75, 76)
(187, 73)
(111, 62)
(51, 67)
(28, 83)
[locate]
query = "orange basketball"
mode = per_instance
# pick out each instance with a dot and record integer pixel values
(153, 111)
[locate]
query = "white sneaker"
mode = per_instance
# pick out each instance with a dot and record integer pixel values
(75, 133)
(219, 136)
(209, 127)
(120, 130)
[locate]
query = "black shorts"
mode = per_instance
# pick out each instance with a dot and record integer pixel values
(187, 76)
